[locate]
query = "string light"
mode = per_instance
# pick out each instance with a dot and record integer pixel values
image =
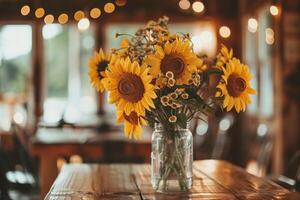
(252, 25)
(79, 15)
(63, 18)
(121, 2)
(274, 10)
(49, 19)
(224, 31)
(39, 13)
(95, 13)
(25, 10)
(109, 7)
(83, 24)
(184, 4)
(270, 36)
(198, 6)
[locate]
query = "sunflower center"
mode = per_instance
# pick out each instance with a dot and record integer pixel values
(132, 118)
(236, 85)
(131, 87)
(101, 67)
(173, 63)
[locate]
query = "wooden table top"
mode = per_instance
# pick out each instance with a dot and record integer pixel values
(212, 180)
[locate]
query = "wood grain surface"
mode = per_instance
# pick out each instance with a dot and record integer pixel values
(213, 180)
(50, 144)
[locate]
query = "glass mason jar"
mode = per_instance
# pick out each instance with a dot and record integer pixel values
(171, 159)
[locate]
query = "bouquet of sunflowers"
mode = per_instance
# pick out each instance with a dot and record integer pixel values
(156, 78)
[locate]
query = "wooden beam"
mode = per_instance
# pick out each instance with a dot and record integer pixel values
(38, 70)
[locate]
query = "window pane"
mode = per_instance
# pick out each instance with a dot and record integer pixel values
(88, 94)
(266, 90)
(87, 43)
(15, 57)
(266, 96)
(67, 51)
(15, 68)
(56, 59)
(202, 35)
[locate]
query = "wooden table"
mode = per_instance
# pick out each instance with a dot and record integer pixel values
(50, 144)
(212, 180)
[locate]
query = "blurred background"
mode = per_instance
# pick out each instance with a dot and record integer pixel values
(50, 115)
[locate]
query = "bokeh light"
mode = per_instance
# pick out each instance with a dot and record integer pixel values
(274, 10)
(184, 4)
(198, 6)
(83, 24)
(262, 130)
(224, 31)
(25, 10)
(120, 2)
(49, 19)
(63, 18)
(109, 7)
(252, 25)
(95, 13)
(270, 36)
(224, 124)
(39, 13)
(79, 15)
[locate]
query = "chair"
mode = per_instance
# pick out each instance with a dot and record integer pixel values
(291, 177)
(25, 162)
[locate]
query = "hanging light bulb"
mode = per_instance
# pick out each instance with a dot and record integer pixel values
(25, 10)
(63, 18)
(109, 7)
(49, 19)
(39, 13)
(95, 13)
(79, 15)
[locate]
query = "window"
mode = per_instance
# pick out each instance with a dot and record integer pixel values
(258, 55)
(66, 55)
(202, 35)
(15, 57)
(15, 67)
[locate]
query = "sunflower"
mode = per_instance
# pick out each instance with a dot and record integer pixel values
(224, 56)
(132, 125)
(129, 87)
(97, 66)
(176, 57)
(235, 86)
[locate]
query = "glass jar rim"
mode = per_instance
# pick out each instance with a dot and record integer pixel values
(159, 126)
